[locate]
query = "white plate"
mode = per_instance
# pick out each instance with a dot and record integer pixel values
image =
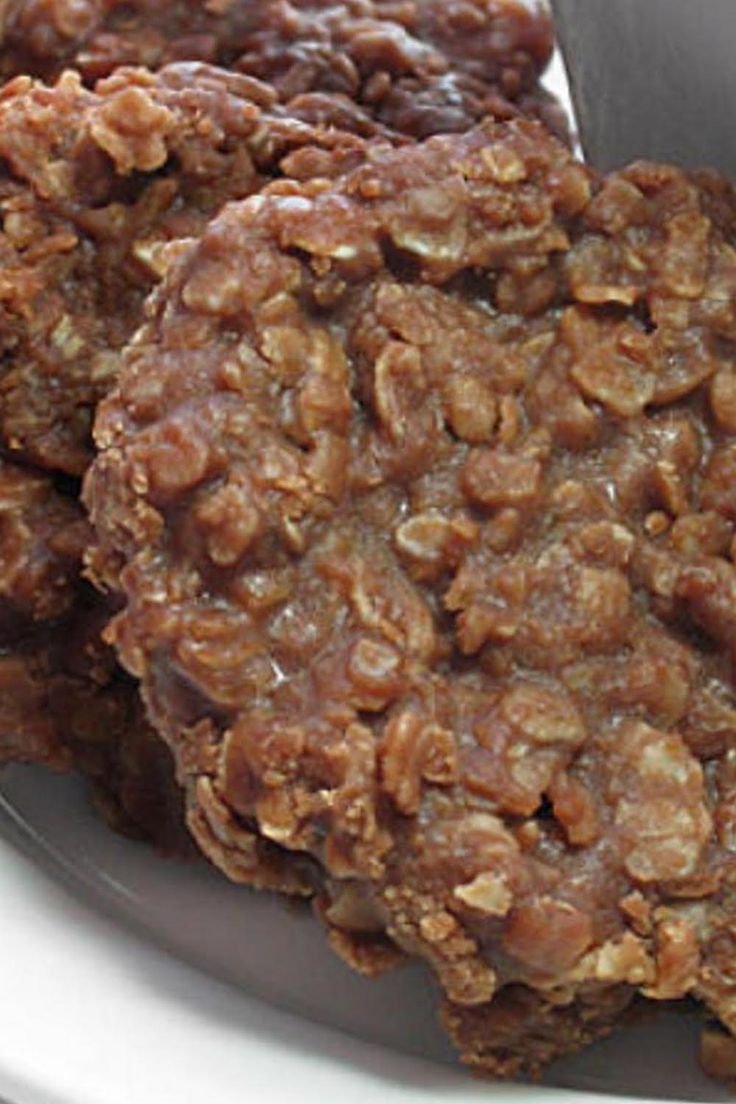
(108, 960)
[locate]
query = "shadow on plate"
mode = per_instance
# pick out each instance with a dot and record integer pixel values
(277, 953)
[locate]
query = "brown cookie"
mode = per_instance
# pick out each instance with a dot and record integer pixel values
(423, 484)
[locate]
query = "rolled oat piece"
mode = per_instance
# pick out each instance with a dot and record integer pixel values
(417, 66)
(423, 486)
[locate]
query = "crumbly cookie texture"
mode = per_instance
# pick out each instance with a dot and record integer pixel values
(423, 484)
(416, 66)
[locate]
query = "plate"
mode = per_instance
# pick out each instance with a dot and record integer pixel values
(130, 979)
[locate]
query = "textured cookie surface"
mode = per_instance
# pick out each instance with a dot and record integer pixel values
(423, 484)
(415, 66)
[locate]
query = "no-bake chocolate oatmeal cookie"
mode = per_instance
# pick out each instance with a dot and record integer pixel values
(94, 185)
(416, 66)
(422, 487)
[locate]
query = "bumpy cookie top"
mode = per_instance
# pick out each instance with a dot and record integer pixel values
(423, 487)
